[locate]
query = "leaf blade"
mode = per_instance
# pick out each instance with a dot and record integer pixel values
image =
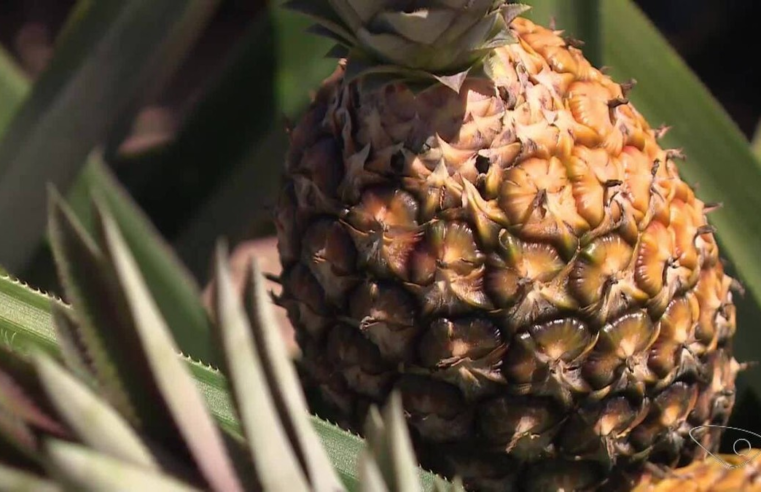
(174, 289)
(97, 69)
(86, 470)
(97, 424)
(286, 389)
(181, 396)
(276, 464)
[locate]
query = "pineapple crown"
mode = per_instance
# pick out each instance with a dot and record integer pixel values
(420, 41)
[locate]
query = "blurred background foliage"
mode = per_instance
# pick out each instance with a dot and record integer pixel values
(185, 153)
(251, 71)
(195, 130)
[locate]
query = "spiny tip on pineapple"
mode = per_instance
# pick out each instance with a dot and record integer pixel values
(518, 256)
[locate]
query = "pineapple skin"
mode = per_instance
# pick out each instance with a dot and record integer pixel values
(723, 473)
(520, 260)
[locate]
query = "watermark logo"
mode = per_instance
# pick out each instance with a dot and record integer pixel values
(741, 446)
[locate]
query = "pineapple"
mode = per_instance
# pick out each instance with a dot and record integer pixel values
(724, 473)
(477, 217)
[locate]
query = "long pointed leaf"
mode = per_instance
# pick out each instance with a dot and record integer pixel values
(90, 285)
(87, 470)
(13, 89)
(33, 322)
(756, 142)
(719, 158)
(238, 206)
(176, 292)
(285, 386)
(276, 464)
(99, 66)
(579, 19)
(97, 425)
(14, 480)
(22, 395)
(179, 392)
(74, 354)
(389, 441)
(369, 475)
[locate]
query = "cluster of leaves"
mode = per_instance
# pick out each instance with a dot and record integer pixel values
(115, 407)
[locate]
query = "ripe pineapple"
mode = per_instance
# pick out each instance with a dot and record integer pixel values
(476, 216)
(728, 473)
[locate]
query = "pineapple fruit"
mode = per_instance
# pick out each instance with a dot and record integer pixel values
(740, 472)
(477, 217)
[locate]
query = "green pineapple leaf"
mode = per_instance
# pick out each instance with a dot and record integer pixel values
(13, 88)
(184, 403)
(389, 441)
(369, 475)
(91, 285)
(756, 142)
(141, 421)
(16, 480)
(102, 63)
(73, 352)
(97, 424)
(84, 469)
(32, 320)
(176, 292)
(578, 19)
(719, 158)
(277, 465)
(284, 383)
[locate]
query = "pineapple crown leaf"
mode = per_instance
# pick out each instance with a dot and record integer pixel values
(424, 41)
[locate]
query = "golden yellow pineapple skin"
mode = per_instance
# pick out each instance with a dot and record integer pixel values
(723, 473)
(521, 260)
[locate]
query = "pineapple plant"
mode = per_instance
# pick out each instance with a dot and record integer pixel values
(114, 407)
(476, 217)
